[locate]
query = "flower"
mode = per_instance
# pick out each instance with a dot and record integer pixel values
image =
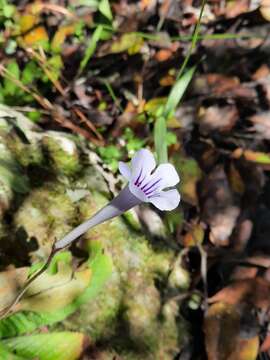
(148, 184)
(145, 185)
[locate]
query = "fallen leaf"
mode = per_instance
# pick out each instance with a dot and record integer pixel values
(236, 182)
(167, 80)
(262, 72)
(242, 235)
(219, 209)
(56, 345)
(252, 291)
(236, 7)
(60, 36)
(261, 124)
(194, 236)
(257, 157)
(27, 22)
(47, 293)
(191, 174)
(265, 9)
(130, 42)
(218, 118)
(37, 36)
(266, 344)
(223, 337)
(163, 55)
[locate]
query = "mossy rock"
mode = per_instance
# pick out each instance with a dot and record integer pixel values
(129, 317)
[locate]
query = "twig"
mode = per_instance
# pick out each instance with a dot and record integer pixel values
(89, 124)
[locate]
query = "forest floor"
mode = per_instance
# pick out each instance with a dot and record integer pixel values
(111, 72)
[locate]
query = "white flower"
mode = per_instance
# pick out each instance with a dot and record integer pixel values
(148, 184)
(145, 185)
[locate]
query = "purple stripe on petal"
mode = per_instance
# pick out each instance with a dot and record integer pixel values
(140, 183)
(152, 185)
(150, 192)
(138, 178)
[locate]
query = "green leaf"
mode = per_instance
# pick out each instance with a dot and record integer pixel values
(53, 346)
(30, 73)
(8, 10)
(23, 322)
(91, 46)
(5, 354)
(105, 9)
(130, 42)
(160, 135)
(178, 91)
(9, 86)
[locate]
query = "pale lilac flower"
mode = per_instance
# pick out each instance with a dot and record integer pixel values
(148, 184)
(145, 185)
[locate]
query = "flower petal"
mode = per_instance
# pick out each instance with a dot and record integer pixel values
(142, 164)
(167, 174)
(166, 200)
(124, 170)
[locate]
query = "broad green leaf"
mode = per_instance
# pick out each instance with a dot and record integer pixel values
(160, 138)
(105, 9)
(100, 267)
(91, 46)
(89, 3)
(5, 354)
(177, 92)
(53, 346)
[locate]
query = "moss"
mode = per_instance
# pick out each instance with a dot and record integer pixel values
(62, 153)
(47, 213)
(26, 154)
(127, 312)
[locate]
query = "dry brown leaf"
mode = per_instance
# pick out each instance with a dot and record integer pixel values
(163, 55)
(217, 118)
(36, 36)
(261, 124)
(244, 272)
(221, 83)
(236, 182)
(218, 207)
(266, 344)
(261, 73)
(236, 7)
(223, 337)
(194, 236)
(252, 291)
(265, 9)
(242, 235)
